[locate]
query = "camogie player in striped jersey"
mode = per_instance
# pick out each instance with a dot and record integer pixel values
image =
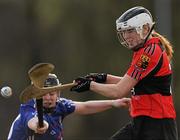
(149, 75)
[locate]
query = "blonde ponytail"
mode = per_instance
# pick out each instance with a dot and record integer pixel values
(165, 43)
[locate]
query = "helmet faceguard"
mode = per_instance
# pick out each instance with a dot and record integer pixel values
(133, 20)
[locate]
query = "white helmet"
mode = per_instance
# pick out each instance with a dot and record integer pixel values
(134, 18)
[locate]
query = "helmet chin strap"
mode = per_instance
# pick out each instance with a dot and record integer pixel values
(141, 45)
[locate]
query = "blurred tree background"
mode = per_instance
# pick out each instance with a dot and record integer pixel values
(78, 37)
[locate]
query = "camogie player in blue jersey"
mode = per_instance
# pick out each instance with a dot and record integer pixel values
(25, 126)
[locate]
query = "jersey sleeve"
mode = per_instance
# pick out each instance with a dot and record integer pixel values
(144, 61)
(65, 106)
(28, 111)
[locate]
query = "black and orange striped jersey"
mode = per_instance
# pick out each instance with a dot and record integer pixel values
(152, 95)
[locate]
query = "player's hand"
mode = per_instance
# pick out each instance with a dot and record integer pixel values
(83, 84)
(42, 130)
(123, 102)
(33, 125)
(97, 77)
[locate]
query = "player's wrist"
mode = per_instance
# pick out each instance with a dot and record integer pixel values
(92, 85)
(113, 103)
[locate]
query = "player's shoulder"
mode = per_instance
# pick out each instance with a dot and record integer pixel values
(63, 100)
(30, 106)
(152, 47)
(65, 105)
(150, 53)
(30, 103)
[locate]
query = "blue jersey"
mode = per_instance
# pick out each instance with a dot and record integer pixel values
(20, 131)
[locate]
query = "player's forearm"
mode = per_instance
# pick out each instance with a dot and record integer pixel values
(91, 107)
(112, 79)
(118, 90)
(108, 90)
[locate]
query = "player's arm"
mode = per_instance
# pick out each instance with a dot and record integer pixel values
(115, 87)
(28, 113)
(119, 90)
(91, 107)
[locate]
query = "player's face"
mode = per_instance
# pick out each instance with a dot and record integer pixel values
(49, 100)
(132, 38)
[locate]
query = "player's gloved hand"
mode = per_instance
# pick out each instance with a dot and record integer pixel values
(83, 84)
(97, 77)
